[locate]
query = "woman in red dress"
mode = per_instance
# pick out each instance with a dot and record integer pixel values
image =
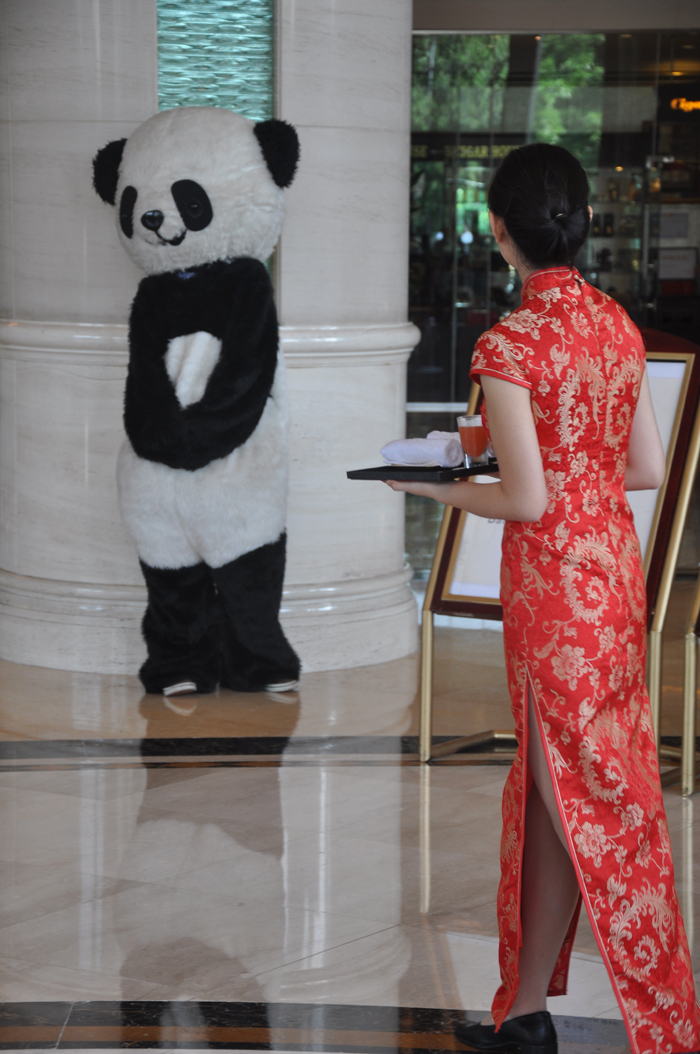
(572, 425)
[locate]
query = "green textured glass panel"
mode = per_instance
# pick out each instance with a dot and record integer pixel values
(216, 53)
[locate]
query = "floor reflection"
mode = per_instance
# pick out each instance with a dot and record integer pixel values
(261, 872)
(207, 849)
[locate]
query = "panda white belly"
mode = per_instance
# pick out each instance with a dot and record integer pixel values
(227, 508)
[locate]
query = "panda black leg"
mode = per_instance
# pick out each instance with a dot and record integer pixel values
(182, 630)
(256, 653)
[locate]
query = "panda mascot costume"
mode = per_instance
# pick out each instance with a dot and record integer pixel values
(202, 476)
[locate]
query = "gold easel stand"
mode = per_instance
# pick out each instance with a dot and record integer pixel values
(688, 753)
(427, 751)
(688, 756)
(667, 576)
(685, 771)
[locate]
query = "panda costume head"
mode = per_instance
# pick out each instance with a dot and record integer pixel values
(198, 184)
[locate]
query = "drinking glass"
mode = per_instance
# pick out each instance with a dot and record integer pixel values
(473, 438)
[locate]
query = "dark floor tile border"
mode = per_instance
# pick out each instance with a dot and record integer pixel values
(105, 765)
(246, 746)
(240, 746)
(146, 748)
(257, 1026)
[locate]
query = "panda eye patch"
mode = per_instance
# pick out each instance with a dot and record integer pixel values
(126, 210)
(193, 204)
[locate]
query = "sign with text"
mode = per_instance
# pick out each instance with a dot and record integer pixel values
(679, 101)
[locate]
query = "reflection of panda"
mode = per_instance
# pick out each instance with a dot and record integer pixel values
(203, 474)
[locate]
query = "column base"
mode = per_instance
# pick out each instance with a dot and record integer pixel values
(359, 622)
(86, 627)
(95, 628)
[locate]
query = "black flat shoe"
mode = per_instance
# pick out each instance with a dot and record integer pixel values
(529, 1034)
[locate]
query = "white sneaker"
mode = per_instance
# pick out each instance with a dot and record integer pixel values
(183, 688)
(282, 686)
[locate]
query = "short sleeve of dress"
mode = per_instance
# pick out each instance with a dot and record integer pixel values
(496, 356)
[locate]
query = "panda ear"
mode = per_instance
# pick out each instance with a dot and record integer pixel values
(279, 143)
(105, 170)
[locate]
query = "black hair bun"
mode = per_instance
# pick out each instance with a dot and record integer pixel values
(541, 193)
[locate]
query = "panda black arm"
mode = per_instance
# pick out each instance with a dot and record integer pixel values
(233, 302)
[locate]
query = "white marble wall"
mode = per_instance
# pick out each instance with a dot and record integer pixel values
(74, 75)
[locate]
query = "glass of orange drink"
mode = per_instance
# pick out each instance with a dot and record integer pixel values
(473, 438)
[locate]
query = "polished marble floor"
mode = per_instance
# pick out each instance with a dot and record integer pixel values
(270, 872)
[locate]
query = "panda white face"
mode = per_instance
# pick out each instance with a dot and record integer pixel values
(192, 203)
(194, 187)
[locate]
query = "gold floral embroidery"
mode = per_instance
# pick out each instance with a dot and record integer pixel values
(570, 665)
(525, 321)
(592, 841)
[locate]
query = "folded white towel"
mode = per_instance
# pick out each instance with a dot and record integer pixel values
(440, 449)
(445, 435)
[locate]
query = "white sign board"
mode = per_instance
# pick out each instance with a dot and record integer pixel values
(477, 568)
(666, 384)
(677, 263)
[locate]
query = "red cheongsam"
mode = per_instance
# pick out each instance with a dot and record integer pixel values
(574, 603)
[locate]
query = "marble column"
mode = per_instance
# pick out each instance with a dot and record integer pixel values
(344, 80)
(74, 75)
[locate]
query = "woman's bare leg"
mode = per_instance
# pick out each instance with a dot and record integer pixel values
(549, 885)
(548, 900)
(537, 763)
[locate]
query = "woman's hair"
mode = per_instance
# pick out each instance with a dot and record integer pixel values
(541, 193)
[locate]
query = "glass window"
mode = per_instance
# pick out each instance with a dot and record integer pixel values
(628, 106)
(216, 53)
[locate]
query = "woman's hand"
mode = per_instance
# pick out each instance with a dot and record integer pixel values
(521, 493)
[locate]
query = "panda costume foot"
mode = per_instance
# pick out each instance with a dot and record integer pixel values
(182, 688)
(284, 686)
(181, 629)
(256, 655)
(206, 626)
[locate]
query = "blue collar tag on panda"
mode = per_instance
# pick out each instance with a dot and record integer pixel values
(185, 274)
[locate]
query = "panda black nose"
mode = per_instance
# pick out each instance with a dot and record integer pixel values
(152, 219)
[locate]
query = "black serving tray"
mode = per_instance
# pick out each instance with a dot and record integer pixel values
(422, 474)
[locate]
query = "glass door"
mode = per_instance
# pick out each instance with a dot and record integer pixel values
(628, 106)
